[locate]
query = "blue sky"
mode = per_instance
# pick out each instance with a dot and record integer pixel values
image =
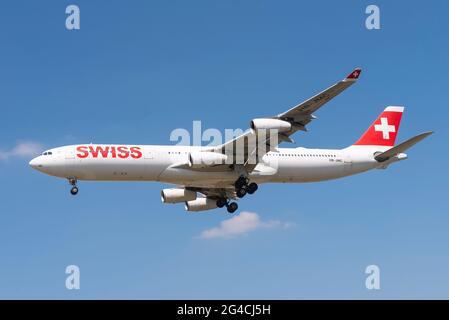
(136, 71)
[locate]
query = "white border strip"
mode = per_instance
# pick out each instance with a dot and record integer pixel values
(394, 109)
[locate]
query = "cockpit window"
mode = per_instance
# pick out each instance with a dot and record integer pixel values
(47, 153)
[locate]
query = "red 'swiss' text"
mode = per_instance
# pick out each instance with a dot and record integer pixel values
(121, 152)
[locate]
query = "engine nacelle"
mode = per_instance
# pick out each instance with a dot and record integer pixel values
(206, 159)
(201, 204)
(176, 195)
(267, 124)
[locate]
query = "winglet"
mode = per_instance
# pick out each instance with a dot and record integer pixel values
(354, 75)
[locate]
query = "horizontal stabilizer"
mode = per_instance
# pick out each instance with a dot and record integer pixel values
(384, 156)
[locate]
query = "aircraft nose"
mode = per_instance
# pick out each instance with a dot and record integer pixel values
(35, 163)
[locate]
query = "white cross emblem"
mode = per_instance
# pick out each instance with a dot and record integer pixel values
(385, 128)
(355, 74)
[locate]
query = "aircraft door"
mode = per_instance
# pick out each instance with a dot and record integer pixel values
(69, 158)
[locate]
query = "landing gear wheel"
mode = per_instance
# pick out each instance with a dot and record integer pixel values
(232, 207)
(221, 202)
(241, 192)
(74, 190)
(240, 182)
(252, 187)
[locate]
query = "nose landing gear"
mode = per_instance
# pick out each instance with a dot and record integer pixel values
(74, 189)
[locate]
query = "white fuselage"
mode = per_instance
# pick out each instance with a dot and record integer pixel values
(167, 164)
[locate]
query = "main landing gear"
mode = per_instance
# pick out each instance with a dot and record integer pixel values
(74, 190)
(242, 187)
(230, 206)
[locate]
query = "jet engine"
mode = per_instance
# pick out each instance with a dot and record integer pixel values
(201, 204)
(206, 159)
(267, 124)
(176, 195)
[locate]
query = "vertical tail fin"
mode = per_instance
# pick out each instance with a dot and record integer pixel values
(384, 130)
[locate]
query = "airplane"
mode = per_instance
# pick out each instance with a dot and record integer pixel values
(209, 177)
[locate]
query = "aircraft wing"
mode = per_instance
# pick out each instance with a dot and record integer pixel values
(301, 112)
(251, 145)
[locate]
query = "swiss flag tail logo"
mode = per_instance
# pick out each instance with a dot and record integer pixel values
(383, 131)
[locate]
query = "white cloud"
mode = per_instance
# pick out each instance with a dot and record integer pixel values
(22, 149)
(241, 224)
